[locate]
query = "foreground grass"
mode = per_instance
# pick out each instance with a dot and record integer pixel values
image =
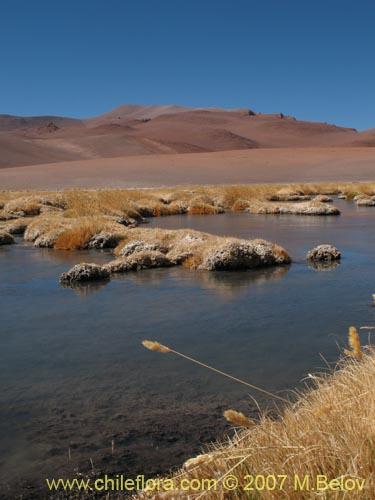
(327, 436)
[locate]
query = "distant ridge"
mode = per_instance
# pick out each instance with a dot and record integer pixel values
(133, 130)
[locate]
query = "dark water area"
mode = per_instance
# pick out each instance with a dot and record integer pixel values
(75, 380)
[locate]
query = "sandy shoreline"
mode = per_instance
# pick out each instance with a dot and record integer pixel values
(279, 165)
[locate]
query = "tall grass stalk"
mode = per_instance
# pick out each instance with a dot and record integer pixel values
(156, 346)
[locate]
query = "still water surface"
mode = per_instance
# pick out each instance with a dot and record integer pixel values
(74, 376)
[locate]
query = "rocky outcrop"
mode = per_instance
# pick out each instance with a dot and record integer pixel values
(124, 221)
(323, 253)
(237, 255)
(84, 272)
(364, 200)
(17, 226)
(303, 208)
(104, 239)
(141, 246)
(136, 262)
(6, 238)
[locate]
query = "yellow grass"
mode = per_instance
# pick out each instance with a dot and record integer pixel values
(238, 418)
(354, 343)
(327, 436)
(202, 209)
(192, 262)
(187, 247)
(77, 236)
(169, 201)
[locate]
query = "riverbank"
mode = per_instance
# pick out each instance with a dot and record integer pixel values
(327, 436)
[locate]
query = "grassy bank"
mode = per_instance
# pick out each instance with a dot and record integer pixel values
(327, 436)
(159, 202)
(69, 219)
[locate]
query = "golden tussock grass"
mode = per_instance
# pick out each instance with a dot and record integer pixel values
(192, 262)
(192, 249)
(77, 236)
(169, 201)
(329, 430)
(238, 418)
(240, 205)
(354, 343)
(202, 209)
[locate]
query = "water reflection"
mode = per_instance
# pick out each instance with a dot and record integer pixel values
(73, 372)
(225, 283)
(86, 288)
(324, 265)
(230, 284)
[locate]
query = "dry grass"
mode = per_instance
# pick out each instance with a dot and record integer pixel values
(240, 205)
(203, 209)
(194, 249)
(81, 203)
(78, 236)
(29, 206)
(192, 262)
(63, 215)
(329, 431)
(134, 203)
(293, 208)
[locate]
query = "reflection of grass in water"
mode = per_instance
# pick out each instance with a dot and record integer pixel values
(328, 431)
(226, 283)
(231, 283)
(86, 288)
(324, 265)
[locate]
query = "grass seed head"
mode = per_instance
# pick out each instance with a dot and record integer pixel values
(155, 346)
(198, 460)
(238, 418)
(354, 343)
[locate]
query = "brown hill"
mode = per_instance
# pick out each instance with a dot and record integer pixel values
(10, 122)
(133, 130)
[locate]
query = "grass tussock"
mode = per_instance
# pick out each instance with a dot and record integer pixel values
(192, 262)
(203, 209)
(240, 205)
(203, 251)
(329, 431)
(137, 203)
(78, 236)
(63, 215)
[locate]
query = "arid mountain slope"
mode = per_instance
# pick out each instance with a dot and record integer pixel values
(133, 130)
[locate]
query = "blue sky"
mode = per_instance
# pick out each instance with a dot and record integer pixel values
(311, 59)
